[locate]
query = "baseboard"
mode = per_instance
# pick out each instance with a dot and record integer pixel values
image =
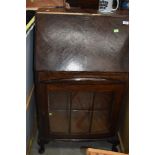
(121, 143)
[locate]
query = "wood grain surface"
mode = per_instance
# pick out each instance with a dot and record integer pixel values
(67, 42)
(81, 73)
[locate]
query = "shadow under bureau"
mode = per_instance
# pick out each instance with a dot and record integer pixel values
(81, 74)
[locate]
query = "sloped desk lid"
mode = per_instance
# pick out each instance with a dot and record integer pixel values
(69, 41)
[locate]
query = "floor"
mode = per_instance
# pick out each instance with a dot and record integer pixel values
(69, 148)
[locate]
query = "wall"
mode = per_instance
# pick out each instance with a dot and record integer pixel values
(30, 121)
(30, 103)
(29, 60)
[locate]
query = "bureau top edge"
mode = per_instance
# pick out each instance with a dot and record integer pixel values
(77, 11)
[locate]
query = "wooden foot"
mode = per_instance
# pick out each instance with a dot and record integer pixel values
(41, 149)
(114, 148)
(115, 142)
(41, 146)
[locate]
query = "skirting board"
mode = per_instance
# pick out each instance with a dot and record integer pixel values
(121, 143)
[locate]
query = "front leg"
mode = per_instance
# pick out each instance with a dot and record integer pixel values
(41, 144)
(115, 142)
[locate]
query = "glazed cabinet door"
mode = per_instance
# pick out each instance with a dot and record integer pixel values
(86, 110)
(58, 109)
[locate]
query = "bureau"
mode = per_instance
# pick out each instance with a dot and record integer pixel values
(81, 73)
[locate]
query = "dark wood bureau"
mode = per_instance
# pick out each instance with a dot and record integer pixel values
(81, 73)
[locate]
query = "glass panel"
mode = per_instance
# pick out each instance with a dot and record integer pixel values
(82, 100)
(100, 122)
(80, 121)
(103, 101)
(58, 100)
(59, 121)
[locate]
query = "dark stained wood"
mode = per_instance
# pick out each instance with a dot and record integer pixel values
(80, 121)
(82, 100)
(101, 122)
(81, 73)
(67, 42)
(42, 114)
(102, 101)
(49, 76)
(59, 121)
(59, 116)
(58, 100)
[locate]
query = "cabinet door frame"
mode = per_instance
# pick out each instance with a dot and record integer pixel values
(44, 88)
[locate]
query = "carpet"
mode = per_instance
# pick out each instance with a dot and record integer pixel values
(69, 148)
